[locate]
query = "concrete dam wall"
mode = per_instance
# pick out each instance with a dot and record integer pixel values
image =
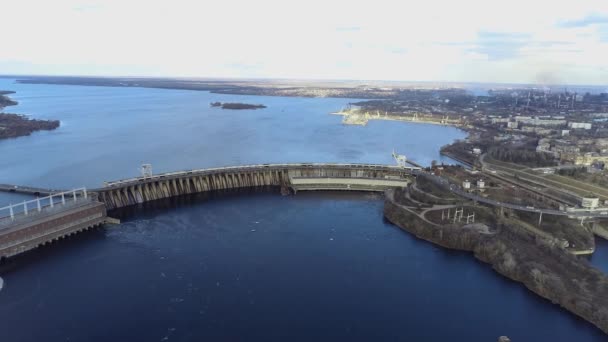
(359, 177)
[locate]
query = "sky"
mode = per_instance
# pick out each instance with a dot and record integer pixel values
(508, 41)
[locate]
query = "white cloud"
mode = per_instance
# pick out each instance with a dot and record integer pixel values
(397, 40)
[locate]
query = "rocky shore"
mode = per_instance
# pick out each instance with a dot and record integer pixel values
(546, 269)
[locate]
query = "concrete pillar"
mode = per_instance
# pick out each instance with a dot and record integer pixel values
(38, 204)
(173, 187)
(51, 200)
(84, 193)
(197, 184)
(62, 198)
(114, 198)
(74, 193)
(10, 209)
(186, 186)
(139, 195)
(25, 207)
(192, 183)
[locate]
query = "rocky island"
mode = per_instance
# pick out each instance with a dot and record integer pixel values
(15, 125)
(544, 265)
(236, 106)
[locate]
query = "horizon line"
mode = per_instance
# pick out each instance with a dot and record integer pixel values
(336, 80)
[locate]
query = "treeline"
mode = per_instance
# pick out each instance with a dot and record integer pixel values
(522, 156)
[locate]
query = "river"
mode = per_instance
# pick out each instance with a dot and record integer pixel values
(242, 266)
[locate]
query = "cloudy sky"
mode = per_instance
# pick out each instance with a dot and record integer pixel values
(518, 41)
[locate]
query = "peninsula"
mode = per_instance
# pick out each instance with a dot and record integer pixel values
(6, 101)
(15, 125)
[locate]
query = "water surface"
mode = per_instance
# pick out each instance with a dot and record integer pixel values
(249, 267)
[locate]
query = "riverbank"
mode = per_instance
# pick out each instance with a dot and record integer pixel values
(543, 267)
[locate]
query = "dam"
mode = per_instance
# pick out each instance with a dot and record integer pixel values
(38, 222)
(291, 177)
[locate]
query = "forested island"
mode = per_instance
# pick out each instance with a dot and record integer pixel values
(15, 125)
(234, 105)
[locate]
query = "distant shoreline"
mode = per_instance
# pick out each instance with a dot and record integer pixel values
(314, 89)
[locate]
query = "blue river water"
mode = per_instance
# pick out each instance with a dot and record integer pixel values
(246, 266)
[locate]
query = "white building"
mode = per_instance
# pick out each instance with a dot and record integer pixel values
(535, 121)
(466, 184)
(583, 125)
(481, 184)
(590, 202)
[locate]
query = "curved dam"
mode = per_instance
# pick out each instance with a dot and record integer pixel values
(68, 213)
(295, 177)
